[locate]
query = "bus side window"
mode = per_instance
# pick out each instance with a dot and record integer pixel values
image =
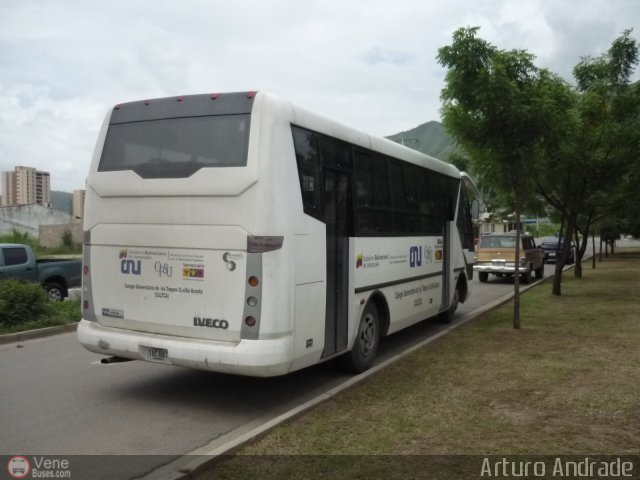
(308, 160)
(373, 198)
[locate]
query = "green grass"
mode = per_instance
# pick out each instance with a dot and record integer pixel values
(567, 383)
(61, 313)
(68, 249)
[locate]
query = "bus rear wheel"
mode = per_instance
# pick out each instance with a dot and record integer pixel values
(365, 346)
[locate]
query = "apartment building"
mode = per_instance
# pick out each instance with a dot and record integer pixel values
(26, 186)
(78, 203)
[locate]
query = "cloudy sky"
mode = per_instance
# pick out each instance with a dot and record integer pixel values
(367, 63)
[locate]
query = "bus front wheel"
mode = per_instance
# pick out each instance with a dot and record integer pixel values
(365, 346)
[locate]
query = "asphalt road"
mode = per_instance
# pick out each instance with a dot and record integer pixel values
(57, 399)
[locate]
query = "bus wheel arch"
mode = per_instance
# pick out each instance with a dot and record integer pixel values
(380, 301)
(459, 296)
(372, 323)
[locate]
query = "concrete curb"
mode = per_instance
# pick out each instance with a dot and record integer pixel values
(37, 333)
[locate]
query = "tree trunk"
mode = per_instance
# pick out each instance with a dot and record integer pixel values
(600, 252)
(556, 288)
(577, 269)
(593, 245)
(516, 276)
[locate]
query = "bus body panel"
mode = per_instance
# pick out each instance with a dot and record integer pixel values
(173, 291)
(412, 273)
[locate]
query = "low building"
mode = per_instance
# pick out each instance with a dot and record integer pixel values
(28, 218)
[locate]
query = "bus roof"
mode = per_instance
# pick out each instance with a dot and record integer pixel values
(244, 102)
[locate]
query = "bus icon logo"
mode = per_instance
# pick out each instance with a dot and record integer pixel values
(415, 257)
(18, 467)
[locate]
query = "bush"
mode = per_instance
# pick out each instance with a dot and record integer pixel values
(19, 237)
(22, 302)
(67, 238)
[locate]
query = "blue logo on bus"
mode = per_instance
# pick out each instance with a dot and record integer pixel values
(131, 266)
(415, 257)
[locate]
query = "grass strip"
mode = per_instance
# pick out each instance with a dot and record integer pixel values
(58, 313)
(566, 384)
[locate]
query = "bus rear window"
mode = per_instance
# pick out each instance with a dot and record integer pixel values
(176, 147)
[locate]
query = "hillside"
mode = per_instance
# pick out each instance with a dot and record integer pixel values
(430, 138)
(62, 201)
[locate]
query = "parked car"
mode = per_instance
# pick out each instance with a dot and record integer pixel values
(56, 276)
(496, 254)
(552, 246)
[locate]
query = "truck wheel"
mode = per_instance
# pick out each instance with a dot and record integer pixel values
(483, 276)
(526, 277)
(55, 291)
(365, 346)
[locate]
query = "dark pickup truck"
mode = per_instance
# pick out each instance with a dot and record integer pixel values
(56, 276)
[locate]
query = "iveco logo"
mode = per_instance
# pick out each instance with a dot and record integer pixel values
(210, 322)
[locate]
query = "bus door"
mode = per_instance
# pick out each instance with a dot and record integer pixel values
(337, 206)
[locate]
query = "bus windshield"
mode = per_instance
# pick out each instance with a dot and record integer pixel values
(176, 147)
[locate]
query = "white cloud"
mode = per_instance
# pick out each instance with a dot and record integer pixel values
(369, 63)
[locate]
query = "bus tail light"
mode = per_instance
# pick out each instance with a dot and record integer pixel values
(250, 329)
(88, 309)
(261, 244)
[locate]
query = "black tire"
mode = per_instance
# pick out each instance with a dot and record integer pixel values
(540, 271)
(365, 346)
(447, 317)
(55, 292)
(483, 276)
(526, 277)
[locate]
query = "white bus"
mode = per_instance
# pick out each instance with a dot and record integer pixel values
(241, 233)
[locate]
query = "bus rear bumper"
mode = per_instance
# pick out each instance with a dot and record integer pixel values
(259, 358)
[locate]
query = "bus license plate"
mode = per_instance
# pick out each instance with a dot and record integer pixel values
(155, 354)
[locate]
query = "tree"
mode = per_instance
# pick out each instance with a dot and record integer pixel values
(587, 176)
(499, 106)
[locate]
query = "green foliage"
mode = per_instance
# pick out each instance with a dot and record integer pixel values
(497, 105)
(21, 302)
(19, 237)
(67, 311)
(68, 247)
(543, 229)
(531, 135)
(500, 108)
(589, 175)
(67, 238)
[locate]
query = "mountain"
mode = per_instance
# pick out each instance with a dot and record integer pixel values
(430, 138)
(62, 201)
